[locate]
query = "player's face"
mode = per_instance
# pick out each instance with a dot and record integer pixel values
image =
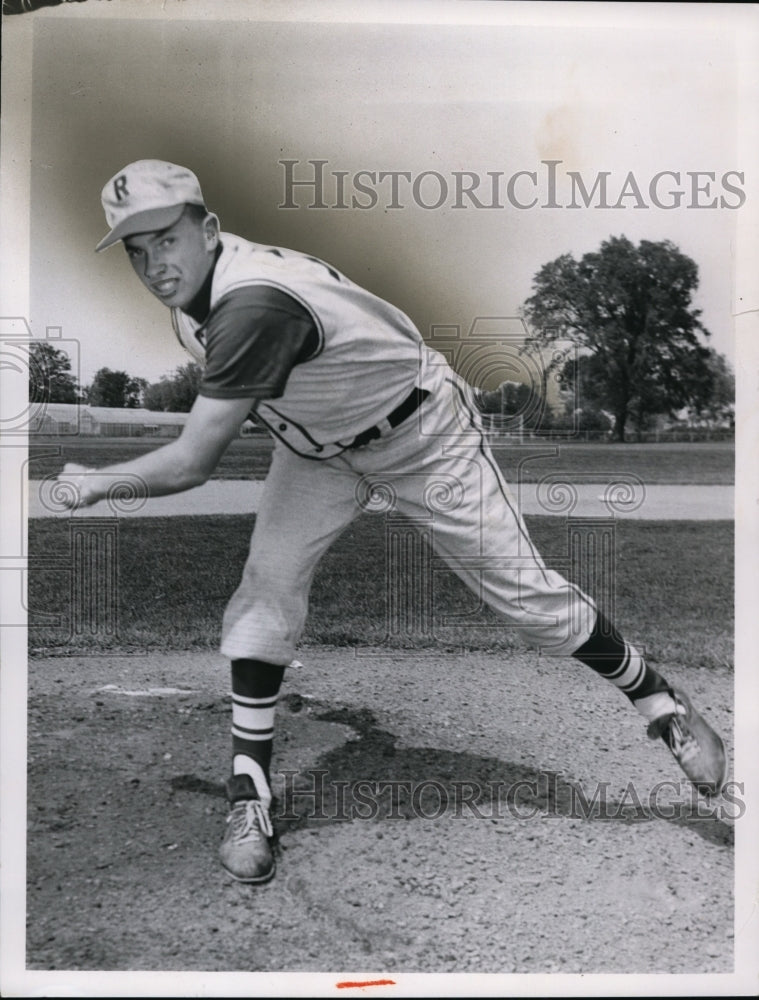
(174, 263)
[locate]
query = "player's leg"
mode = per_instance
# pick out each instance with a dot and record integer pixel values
(477, 528)
(304, 507)
(245, 851)
(698, 749)
(441, 472)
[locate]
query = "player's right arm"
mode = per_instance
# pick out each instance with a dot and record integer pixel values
(254, 338)
(180, 465)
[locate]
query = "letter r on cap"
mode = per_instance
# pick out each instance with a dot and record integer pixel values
(120, 187)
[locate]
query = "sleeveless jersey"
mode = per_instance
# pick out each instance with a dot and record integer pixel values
(369, 354)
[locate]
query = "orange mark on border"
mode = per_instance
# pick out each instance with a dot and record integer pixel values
(368, 982)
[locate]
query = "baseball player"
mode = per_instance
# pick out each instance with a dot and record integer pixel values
(362, 412)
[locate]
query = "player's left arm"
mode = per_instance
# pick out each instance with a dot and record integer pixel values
(180, 465)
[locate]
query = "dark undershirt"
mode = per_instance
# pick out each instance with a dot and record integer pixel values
(254, 336)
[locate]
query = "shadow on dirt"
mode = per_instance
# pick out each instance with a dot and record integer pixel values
(370, 778)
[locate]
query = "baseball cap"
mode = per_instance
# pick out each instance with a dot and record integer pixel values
(146, 196)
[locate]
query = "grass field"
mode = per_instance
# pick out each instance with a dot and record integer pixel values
(674, 580)
(698, 463)
(674, 587)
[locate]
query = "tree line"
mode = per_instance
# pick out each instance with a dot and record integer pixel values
(51, 380)
(640, 350)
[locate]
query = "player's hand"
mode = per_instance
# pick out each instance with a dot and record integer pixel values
(76, 491)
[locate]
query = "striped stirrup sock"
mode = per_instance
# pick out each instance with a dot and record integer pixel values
(255, 689)
(620, 662)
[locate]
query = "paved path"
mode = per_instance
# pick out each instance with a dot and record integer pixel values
(699, 503)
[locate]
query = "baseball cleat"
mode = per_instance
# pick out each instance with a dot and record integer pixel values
(245, 851)
(695, 746)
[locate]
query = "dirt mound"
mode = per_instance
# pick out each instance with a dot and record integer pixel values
(441, 813)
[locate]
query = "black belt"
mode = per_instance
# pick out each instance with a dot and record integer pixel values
(411, 403)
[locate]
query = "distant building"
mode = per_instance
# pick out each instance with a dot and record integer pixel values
(107, 421)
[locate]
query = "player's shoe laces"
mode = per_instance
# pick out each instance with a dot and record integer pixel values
(245, 851)
(695, 746)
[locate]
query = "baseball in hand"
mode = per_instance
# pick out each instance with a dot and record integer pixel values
(74, 488)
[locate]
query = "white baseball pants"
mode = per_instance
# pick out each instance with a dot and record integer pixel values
(435, 467)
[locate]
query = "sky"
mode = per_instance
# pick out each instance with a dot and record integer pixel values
(234, 98)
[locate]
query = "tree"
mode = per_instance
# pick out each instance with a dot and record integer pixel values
(509, 399)
(583, 402)
(156, 396)
(50, 378)
(117, 389)
(628, 310)
(177, 393)
(719, 407)
(512, 406)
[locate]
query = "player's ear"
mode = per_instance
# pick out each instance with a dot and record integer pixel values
(211, 229)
